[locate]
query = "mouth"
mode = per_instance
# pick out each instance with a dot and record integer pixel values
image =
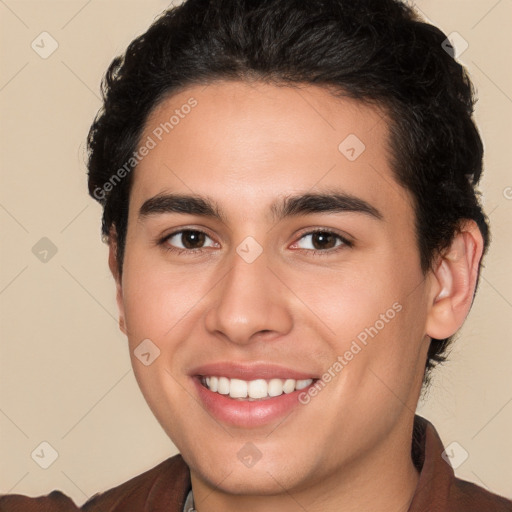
(250, 395)
(252, 390)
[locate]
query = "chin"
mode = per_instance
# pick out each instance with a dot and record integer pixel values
(225, 470)
(244, 481)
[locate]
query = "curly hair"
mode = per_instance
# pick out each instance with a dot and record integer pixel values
(375, 51)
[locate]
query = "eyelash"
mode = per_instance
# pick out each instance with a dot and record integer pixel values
(315, 252)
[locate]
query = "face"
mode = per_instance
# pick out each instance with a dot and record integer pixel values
(324, 295)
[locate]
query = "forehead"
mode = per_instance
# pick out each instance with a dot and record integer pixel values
(248, 142)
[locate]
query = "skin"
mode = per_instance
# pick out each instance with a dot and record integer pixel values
(244, 145)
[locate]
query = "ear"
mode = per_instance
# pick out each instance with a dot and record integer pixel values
(454, 281)
(112, 263)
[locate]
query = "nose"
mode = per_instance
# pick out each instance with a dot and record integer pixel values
(249, 302)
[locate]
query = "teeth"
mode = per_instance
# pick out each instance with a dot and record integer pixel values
(223, 387)
(212, 383)
(257, 388)
(301, 384)
(289, 385)
(254, 389)
(237, 388)
(275, 387)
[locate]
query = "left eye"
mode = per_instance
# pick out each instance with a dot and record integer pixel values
(323, 240)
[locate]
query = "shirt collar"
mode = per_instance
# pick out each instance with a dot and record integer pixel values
(189, 503)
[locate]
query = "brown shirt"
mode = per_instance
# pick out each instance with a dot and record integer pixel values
(164, 488)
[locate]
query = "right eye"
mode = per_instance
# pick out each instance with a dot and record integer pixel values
(188, 238)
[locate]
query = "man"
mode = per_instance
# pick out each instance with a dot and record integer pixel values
(289, 194)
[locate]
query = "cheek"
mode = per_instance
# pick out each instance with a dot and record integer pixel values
(349, 299)
(373, 315)
(157, 297)
(157, 304)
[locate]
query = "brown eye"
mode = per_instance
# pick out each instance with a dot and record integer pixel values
(323, 241)
(186, 239)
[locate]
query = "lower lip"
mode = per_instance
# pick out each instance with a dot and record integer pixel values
(245, 413)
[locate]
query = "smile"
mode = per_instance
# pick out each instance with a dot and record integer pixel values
(258, 389)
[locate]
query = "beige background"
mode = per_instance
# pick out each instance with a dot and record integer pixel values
(66, 376)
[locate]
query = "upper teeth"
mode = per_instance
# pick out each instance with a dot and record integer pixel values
(259, 388)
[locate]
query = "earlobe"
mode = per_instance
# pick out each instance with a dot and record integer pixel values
(112, 263)
(454, 282)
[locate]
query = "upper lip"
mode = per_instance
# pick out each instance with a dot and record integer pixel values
(253, 371)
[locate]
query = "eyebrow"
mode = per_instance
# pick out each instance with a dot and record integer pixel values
(281, 208)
